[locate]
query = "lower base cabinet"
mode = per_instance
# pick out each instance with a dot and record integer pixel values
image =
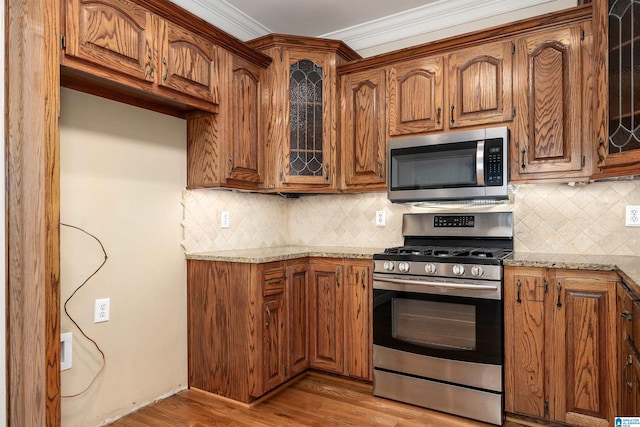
(560, 345)
(251, 327)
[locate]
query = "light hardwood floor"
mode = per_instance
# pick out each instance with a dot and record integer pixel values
(313, 400)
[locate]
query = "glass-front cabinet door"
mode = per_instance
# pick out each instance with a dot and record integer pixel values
(618, 109)
(307, 158)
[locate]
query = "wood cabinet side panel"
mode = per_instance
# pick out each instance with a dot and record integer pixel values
(203, 150)
(222, 332)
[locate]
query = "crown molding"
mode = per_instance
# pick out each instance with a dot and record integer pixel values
(425, 19)
(226, 17)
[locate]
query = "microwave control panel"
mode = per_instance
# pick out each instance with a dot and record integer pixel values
(493, 162)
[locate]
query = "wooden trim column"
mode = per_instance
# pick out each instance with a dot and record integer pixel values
(32, 198)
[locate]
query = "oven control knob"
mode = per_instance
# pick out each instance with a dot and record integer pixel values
(458, 269)
(477, 271)
(403, 267)
(430, 268)
(388, 265)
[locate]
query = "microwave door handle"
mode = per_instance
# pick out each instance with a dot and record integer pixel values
(480, 163)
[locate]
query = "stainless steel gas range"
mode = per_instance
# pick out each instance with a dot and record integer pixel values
(438, 314)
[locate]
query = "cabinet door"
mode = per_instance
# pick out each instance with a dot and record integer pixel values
(358, 320)
(298, 289)
(364, 136)
(116, 34)
(188, 63)
(617, 106)
(274, 343)
(583, 372)
(480, 85)
(245, 150)
(311, 117)
(326, 312)
(547, 131)
(416, 93)
(526, 352)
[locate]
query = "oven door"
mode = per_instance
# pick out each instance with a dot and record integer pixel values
(438, 325)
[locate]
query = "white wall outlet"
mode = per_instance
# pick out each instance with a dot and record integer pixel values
(380, 218)
(632, 218)
(224, 219)
(66, 350)
(101, 313)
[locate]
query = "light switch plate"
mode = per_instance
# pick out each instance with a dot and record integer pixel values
(632, 219)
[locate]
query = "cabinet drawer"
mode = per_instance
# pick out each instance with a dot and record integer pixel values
(273, 282)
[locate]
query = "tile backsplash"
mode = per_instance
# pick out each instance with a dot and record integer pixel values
(550, 218)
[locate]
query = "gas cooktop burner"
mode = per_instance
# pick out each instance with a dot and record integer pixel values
(445, 252)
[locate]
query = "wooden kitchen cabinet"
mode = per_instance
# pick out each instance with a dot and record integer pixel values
(300, 106)
(298, 297)
(225, 149)
(326, 296)
(358, 319)
(560, 352)
(553, 86)
(616, 110)
(116, 34)
(274, 343)
(363, 131)
(481, 85)
(416, 96)
(186, 63)
(129, 48)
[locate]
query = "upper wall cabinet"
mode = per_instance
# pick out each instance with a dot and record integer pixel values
(188, 63)
(363, 136)
(416, 95)
(128, 48)
(617, 106)
(552, 98)
(480, 85)
(115, 34)
(300, 117)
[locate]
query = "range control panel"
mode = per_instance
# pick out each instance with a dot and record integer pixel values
(440, 221)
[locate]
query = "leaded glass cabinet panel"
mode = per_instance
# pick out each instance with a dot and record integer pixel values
(305, 119)
(617, 110)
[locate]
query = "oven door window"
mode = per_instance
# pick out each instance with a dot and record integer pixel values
(437, 166)
(467, 329)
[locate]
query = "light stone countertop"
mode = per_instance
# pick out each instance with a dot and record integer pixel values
(283, 253)
(627, 266)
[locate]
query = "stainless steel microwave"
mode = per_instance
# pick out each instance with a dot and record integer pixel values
(449, 166)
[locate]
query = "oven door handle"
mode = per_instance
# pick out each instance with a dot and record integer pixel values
(436, 284)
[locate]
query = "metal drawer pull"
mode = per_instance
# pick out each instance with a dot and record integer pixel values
(438, 114)
(518, 300)
(362, 279)
(338, 277)
(273, 282)
(452, 119)
(624, 373)
(559, 303)
(266, 324)
(626, 315)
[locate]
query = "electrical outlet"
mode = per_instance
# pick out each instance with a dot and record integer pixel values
(380, 218)
(101, 313)
(632, 218)
(66, 350)
(224, 219)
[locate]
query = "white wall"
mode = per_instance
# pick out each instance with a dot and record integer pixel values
(122, 173)
(3, 271)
